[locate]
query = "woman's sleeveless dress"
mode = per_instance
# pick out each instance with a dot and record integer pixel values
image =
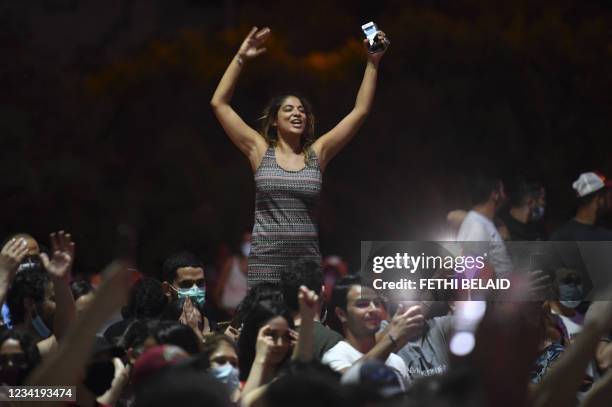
(286, 209)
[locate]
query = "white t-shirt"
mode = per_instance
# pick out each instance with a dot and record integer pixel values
(478, 228)
(343, 356)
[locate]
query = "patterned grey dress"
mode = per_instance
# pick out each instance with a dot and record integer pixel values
(286, 209)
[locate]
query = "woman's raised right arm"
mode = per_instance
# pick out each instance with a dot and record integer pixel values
(241, 134)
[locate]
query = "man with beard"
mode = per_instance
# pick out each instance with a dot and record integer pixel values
(184, 284)
(591, 189)
(523, 218)
(487, 196)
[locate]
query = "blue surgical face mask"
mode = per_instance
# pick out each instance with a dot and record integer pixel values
(570, 295)
(227, 374)
(195, 293)
(41, 328)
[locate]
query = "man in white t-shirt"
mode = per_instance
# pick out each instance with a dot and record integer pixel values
(359, 309)
(487, 196)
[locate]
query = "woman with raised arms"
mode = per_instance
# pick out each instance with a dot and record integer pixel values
(287, 161)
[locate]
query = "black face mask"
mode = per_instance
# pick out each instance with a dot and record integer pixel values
(99, 377)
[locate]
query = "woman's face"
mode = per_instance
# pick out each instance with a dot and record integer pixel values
(279, 332)
(291, 117)
(224, 354)
(13, 362)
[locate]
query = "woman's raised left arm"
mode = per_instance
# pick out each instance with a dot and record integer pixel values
(328, 145)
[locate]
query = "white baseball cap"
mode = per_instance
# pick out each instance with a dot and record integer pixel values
(589, 182)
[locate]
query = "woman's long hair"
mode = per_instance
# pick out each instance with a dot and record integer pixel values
(258, 317)
(270, 113)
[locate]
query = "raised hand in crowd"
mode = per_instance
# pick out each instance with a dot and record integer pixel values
(120, 380)
(62, 247)
(65, 366)
(406, 324)
(59, 266)
(308, 301)
(252, 46)
(11, 255)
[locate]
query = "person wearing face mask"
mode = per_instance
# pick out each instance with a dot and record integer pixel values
(221, 356)
(184, 284)
(31, 302)
(18, 356)
(569, 308)
(523, 217)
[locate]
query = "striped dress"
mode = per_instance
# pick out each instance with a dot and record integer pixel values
(286, 208)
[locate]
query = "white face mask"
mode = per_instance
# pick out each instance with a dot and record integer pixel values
(227, 374)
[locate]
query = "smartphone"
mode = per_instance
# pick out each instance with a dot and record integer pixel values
(370, 30)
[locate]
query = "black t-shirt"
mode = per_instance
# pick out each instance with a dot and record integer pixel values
(573, 230)
(324, 339)
(519, 231)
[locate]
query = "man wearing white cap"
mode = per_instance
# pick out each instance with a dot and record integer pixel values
(591, 191)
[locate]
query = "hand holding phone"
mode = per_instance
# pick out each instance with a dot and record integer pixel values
(376, 43)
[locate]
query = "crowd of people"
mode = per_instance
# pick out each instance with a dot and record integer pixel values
(304, 340)
(298, 330)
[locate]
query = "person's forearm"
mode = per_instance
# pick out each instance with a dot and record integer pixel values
(260, 374)
(600, 394)
(381, 351)
(365, 96)
(305, 344)
(227, 85)
(4, 284)
(65, 313)
(63, 367)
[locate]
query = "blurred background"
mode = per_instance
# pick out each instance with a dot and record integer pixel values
(105, 116)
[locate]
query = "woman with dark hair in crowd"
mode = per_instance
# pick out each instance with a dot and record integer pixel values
(287, 161)
(265, 343)
(18, 356)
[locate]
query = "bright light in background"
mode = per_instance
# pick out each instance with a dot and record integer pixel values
(468, 316)
(471, 311)
(462, 343)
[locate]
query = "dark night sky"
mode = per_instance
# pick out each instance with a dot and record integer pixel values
(104, 114)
